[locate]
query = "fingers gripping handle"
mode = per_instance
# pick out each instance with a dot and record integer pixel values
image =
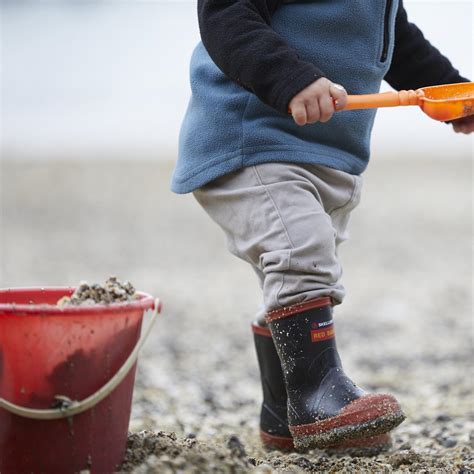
(384, 99)
(77, 407)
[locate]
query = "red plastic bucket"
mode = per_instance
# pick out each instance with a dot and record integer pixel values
(46, 351)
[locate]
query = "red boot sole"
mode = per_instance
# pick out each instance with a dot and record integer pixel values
(370, 446)
(365, 417)
(280, 443)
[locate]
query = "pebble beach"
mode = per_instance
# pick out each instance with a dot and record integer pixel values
(405, 327)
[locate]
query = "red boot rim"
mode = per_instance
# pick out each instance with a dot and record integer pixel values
(261, 330)
(297, 308)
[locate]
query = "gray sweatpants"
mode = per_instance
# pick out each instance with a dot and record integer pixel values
(287, 221)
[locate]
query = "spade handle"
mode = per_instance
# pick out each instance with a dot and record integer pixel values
(384, 99)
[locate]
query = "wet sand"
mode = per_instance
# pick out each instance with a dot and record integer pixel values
(405, 327)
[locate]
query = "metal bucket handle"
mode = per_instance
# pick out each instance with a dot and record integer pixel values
(77, 407)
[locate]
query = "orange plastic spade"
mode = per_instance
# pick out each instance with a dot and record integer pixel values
(444, 103)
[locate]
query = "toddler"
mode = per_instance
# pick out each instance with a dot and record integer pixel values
(282, 185)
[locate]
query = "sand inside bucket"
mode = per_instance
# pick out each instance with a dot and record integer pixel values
(112, 291)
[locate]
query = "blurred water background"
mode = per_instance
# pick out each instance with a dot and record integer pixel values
(109, 79)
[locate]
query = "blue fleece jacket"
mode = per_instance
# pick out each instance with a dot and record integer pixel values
(227, 127)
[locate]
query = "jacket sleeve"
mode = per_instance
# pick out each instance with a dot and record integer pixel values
(416, 63)
(238, 36)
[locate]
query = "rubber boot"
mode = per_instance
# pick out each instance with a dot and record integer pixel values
(274, 431)
(324, 406)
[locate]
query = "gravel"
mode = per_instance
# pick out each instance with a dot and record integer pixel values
(405, 326)
(112, 291)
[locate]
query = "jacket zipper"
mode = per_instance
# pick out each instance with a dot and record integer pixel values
(386, 31)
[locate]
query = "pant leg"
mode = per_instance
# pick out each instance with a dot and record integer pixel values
(261, 312)
(277, 217)
(342, 186)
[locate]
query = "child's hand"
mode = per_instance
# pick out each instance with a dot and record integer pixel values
(464, 125)
(316, 103)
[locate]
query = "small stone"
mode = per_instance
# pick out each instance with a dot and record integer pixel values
(443, 417)
(448, 442)
(236, 446)
(404, 457)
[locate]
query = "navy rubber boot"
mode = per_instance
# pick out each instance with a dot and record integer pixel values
(274, 431)
(324, 406)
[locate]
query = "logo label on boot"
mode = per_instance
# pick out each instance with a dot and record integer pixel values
(322, 331)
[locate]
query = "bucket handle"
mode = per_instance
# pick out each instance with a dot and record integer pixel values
(77, 407)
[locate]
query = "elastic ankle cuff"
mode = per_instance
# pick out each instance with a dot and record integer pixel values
(298, 308)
